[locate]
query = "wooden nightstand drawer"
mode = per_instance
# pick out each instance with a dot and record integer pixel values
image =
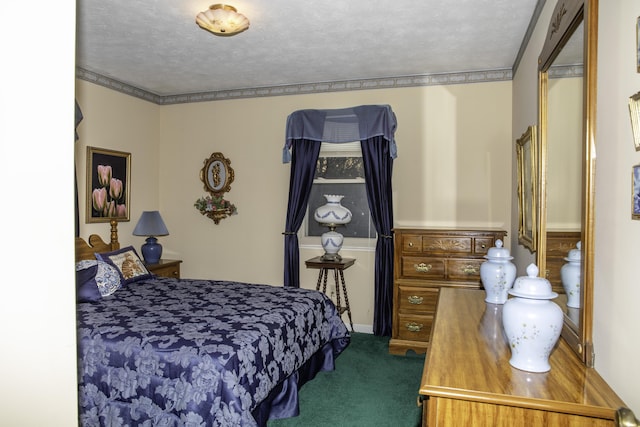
(417, 300)
(165, 268)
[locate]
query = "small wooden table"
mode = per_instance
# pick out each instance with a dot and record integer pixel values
(338, 268)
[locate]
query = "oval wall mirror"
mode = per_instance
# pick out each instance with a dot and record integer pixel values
(567, 105)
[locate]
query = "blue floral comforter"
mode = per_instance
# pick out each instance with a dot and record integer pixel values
(167, 352)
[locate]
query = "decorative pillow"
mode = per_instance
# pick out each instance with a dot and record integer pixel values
(128, 263)
(95, 279)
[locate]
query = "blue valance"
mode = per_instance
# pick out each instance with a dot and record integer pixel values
(340, 126)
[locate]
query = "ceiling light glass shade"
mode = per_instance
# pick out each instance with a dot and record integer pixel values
(222, 20)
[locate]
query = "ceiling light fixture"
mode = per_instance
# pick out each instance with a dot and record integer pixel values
(222, 20)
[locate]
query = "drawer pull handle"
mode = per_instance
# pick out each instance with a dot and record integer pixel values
(414, 327)
(422, 267)
(410, 244)
(414, 299)
(470, 270)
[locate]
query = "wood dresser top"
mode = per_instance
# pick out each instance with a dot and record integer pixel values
(469, 356)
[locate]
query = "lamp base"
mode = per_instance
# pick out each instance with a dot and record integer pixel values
(151, 251)
(331, 257)
(331, 243)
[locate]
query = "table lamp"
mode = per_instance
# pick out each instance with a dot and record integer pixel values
(331, 215)
(151, 224)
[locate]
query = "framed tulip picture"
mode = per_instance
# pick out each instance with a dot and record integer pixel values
(108, 188)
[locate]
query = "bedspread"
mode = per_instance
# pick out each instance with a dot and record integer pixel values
(167, 352)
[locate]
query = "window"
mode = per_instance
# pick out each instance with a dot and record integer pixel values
(340, 171)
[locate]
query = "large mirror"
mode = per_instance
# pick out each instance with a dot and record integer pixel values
(567, 102)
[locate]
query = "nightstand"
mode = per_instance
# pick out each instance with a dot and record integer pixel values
(165, 268)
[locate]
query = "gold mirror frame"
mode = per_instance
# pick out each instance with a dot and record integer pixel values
(217, 174)
(567, 16)
(527, 155)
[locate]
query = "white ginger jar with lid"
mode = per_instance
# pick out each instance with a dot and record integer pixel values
(497, 274)
(570, 275)
(532, 322)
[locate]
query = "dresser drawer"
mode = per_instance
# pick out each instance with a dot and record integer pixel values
(411, 243)
(482, 245)
(446, 245)
(414, 327)
(417, 300)
(464, 269)
(559, 244)
(422, 267)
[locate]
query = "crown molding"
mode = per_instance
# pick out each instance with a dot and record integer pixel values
(566, 71)
(300, 89)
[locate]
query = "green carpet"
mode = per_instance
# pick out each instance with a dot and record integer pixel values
(369, 388)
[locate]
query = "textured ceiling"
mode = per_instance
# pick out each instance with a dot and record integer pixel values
(157, 47)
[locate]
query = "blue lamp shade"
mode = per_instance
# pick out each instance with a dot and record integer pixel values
(151, 224)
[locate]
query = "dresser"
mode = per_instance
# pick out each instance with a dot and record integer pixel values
(165, 268)
(467, 378)
(559, 243)
(426, 260)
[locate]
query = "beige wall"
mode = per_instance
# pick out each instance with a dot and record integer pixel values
(525, 114)
(616, 340)
(564, 154)
(615, 333)
(453, 169)
(121, 123)
(38, 385)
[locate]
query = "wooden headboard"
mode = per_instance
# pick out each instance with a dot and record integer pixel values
(86, 250)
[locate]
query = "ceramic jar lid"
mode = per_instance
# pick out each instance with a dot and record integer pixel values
(575, 255)
(498, 253)
(531, 286)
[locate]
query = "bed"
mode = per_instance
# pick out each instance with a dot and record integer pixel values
(172, 352)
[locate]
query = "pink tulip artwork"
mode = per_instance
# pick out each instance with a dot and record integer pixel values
(108, 185)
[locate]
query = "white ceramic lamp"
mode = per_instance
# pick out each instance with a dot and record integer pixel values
(331, 215)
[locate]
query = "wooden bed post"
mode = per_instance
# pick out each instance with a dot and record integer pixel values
(114, 235)
(87, 249)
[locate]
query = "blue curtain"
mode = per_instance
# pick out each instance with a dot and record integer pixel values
(303, 167)
(78, 119)
(374, 126)
(378, 166)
